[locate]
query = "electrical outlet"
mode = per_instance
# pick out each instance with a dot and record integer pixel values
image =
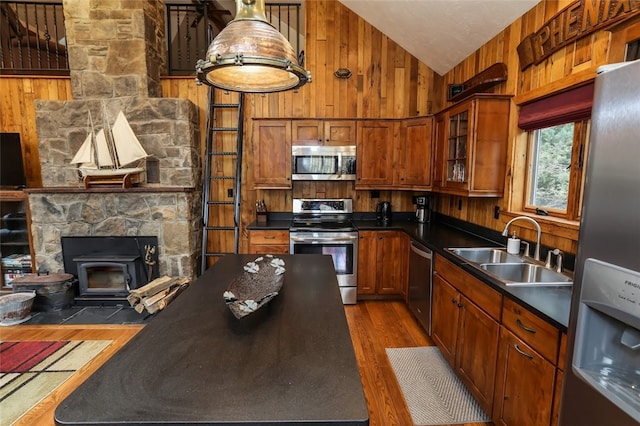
(375, 193)
(230, 193)
(460, 204)
(496, 212)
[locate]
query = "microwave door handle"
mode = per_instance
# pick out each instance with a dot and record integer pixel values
(339, 164)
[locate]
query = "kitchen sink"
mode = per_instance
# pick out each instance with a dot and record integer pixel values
(486, 255)
(525, 274)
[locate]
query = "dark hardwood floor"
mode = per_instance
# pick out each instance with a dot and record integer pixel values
(374, 326)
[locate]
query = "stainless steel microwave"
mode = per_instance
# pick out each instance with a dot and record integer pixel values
(323, 162)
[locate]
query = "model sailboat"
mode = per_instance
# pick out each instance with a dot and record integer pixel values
(111, 156)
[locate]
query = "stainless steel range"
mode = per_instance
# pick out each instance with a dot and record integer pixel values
(325, 226)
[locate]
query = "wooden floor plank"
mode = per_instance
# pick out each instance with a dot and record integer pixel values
(374, 326)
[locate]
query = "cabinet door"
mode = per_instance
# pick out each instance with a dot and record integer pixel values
(306, 132)
(444, 317)
(477, 352)
(374, 167)
(391, 264)
(457, 150)
(415, 154)
(367, 260)
(271, 146)
(524, 384)
(340, 132)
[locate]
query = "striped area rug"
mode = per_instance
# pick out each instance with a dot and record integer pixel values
(31, 370)
(434, 394)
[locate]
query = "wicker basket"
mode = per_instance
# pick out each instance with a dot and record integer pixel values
(16, 308)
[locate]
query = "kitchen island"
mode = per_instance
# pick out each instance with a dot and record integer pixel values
(289, 363)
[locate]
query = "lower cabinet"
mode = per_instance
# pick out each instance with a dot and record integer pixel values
(269, 242)
(466, 334)
(509, 358)
(383, 258)
(526, 377)
(525, 383)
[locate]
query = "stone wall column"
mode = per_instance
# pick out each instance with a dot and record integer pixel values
(116, 47)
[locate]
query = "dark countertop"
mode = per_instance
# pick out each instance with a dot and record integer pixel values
(289, 363)
(551, 303)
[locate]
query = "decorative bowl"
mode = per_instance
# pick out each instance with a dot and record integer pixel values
(16, 308)
(260, 282)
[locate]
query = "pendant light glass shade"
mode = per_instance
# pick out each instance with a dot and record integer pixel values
(250, 55)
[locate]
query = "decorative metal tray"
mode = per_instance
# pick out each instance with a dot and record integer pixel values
(260, 282)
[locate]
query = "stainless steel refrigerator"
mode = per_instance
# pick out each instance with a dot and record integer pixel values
(602, 374)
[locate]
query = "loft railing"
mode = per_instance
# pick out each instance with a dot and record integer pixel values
(189, 33)
(32, 38)
(33, 41)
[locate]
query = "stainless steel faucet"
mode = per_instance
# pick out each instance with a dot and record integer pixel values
(536, 253)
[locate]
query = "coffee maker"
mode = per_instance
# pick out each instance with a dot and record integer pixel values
(423, 209)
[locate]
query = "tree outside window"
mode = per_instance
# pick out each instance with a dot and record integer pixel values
(555, 178)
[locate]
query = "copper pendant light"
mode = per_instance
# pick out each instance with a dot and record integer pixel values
(250, 55)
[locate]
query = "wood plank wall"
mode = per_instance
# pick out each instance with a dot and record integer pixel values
(387, 82)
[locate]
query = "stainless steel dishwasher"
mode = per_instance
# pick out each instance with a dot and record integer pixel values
(420, 270)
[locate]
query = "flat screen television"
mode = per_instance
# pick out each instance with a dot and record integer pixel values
(11, 166)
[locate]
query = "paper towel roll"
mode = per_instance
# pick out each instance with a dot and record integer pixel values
(513, 246)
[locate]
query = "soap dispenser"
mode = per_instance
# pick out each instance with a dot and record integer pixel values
(513, 244)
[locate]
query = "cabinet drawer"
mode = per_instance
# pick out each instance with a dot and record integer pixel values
(268, 249)
(533, 330)
(268, 237)
(480, 293)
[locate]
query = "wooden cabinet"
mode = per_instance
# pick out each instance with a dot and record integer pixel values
(557, 395)
(526, 374)
(16, 246)
(472, 139)
(374, 167)
(524, 384)
(395, 154)
(465, 327)
(414, 154)
(383, 260)
(268, 242)
(323, 132)
(271, 154)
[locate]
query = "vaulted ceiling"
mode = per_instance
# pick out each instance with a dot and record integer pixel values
(440, 33)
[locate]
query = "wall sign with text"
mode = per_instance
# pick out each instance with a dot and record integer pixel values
(575, 21)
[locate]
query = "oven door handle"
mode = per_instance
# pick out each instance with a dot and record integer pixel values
(323, 240)
(339, 164)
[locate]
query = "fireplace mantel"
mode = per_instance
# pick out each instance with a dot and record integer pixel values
(82, 190)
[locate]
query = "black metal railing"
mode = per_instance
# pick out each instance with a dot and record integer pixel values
(32, 38)
(192, 27)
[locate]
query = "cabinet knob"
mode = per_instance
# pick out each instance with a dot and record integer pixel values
(459, 305)
(454, 301)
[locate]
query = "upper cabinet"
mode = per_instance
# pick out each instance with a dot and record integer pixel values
(394, 154)
(414, 154)
(271, 154)
(471, 146)
(375, 147)
(323, 132)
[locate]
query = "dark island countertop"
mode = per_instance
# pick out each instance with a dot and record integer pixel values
(551, 303)
(289, 363)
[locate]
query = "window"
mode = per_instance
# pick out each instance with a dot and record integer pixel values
(557, 128)
(554, 177)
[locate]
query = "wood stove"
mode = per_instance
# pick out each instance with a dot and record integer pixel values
(107, 268)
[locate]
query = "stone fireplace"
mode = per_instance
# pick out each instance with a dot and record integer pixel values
(116, 55)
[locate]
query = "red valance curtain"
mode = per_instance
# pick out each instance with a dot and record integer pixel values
(566, 107)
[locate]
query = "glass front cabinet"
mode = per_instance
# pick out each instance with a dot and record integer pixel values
(472, 139)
